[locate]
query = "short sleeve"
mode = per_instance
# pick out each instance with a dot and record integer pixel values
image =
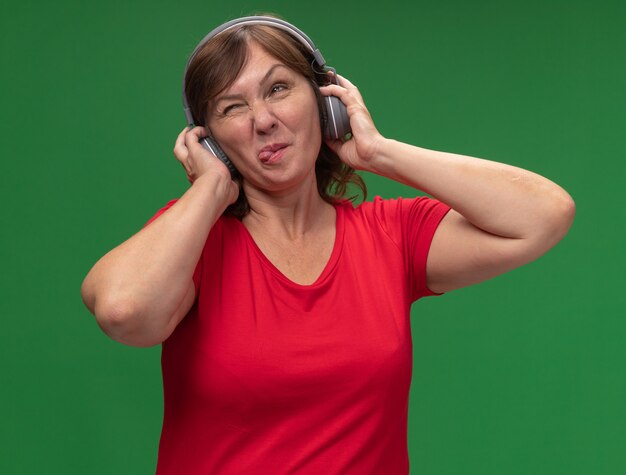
(411, 223)
(197, 274)
(161, 211)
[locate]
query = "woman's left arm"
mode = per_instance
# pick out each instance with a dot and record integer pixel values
(502, 216)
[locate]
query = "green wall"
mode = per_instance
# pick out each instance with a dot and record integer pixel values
(524, 374)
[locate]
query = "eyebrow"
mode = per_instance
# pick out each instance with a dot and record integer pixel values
(269, 72)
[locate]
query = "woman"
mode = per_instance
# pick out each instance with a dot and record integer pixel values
(283, 310)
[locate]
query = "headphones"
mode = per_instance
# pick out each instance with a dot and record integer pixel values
(337, 123)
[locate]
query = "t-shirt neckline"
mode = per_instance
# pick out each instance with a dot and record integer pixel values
(328, 269)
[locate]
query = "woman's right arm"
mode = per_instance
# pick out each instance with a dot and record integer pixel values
(143, 288)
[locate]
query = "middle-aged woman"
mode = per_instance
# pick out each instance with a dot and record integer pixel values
(282, 308)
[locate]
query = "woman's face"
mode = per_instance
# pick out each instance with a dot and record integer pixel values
(267, 122)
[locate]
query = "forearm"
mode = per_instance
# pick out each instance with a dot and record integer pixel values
(503, 217)
(501, 199)
(135, 290)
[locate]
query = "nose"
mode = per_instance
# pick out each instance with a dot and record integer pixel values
(264, 119)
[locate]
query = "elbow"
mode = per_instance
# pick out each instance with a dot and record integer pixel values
(563, 215)
(558, 218)
(115, 317)
(122, 321)
(121, 315)
(87, 294)
(549, 227)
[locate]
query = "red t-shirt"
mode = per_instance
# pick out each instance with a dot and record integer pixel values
(266, 376)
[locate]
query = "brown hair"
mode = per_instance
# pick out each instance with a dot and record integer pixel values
(219, 62)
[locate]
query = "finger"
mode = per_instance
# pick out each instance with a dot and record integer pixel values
(348, 85)
(180, 139)
(180, 149)
(343, 81)
(333, 90)
(194, 140)
(347, 97)
(194, 135)
(181, 152)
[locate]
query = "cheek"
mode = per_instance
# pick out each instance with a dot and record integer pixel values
(307, 119)
(228, 136)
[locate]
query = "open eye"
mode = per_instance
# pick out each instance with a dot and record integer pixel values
(278, 87)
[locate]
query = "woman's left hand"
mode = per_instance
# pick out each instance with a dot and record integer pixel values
(363, 147)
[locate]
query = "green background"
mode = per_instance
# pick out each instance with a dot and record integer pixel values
(524, 374)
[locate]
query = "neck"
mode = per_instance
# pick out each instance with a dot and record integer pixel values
(292, 213)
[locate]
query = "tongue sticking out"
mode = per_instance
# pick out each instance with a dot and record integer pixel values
(271, 154)
(265, 155)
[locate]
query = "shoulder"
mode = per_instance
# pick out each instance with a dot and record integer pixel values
(403, 220)
(397, 210)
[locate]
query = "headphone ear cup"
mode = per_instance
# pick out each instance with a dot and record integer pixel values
(211, 145)
(337, 120)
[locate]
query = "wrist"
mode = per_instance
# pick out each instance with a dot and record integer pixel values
(382, 161)
(218, 189)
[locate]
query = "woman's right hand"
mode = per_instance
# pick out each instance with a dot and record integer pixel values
(198, 161)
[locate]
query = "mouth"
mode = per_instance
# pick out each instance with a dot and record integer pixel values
(272, 153)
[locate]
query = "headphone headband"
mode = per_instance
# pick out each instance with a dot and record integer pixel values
(251, 20)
